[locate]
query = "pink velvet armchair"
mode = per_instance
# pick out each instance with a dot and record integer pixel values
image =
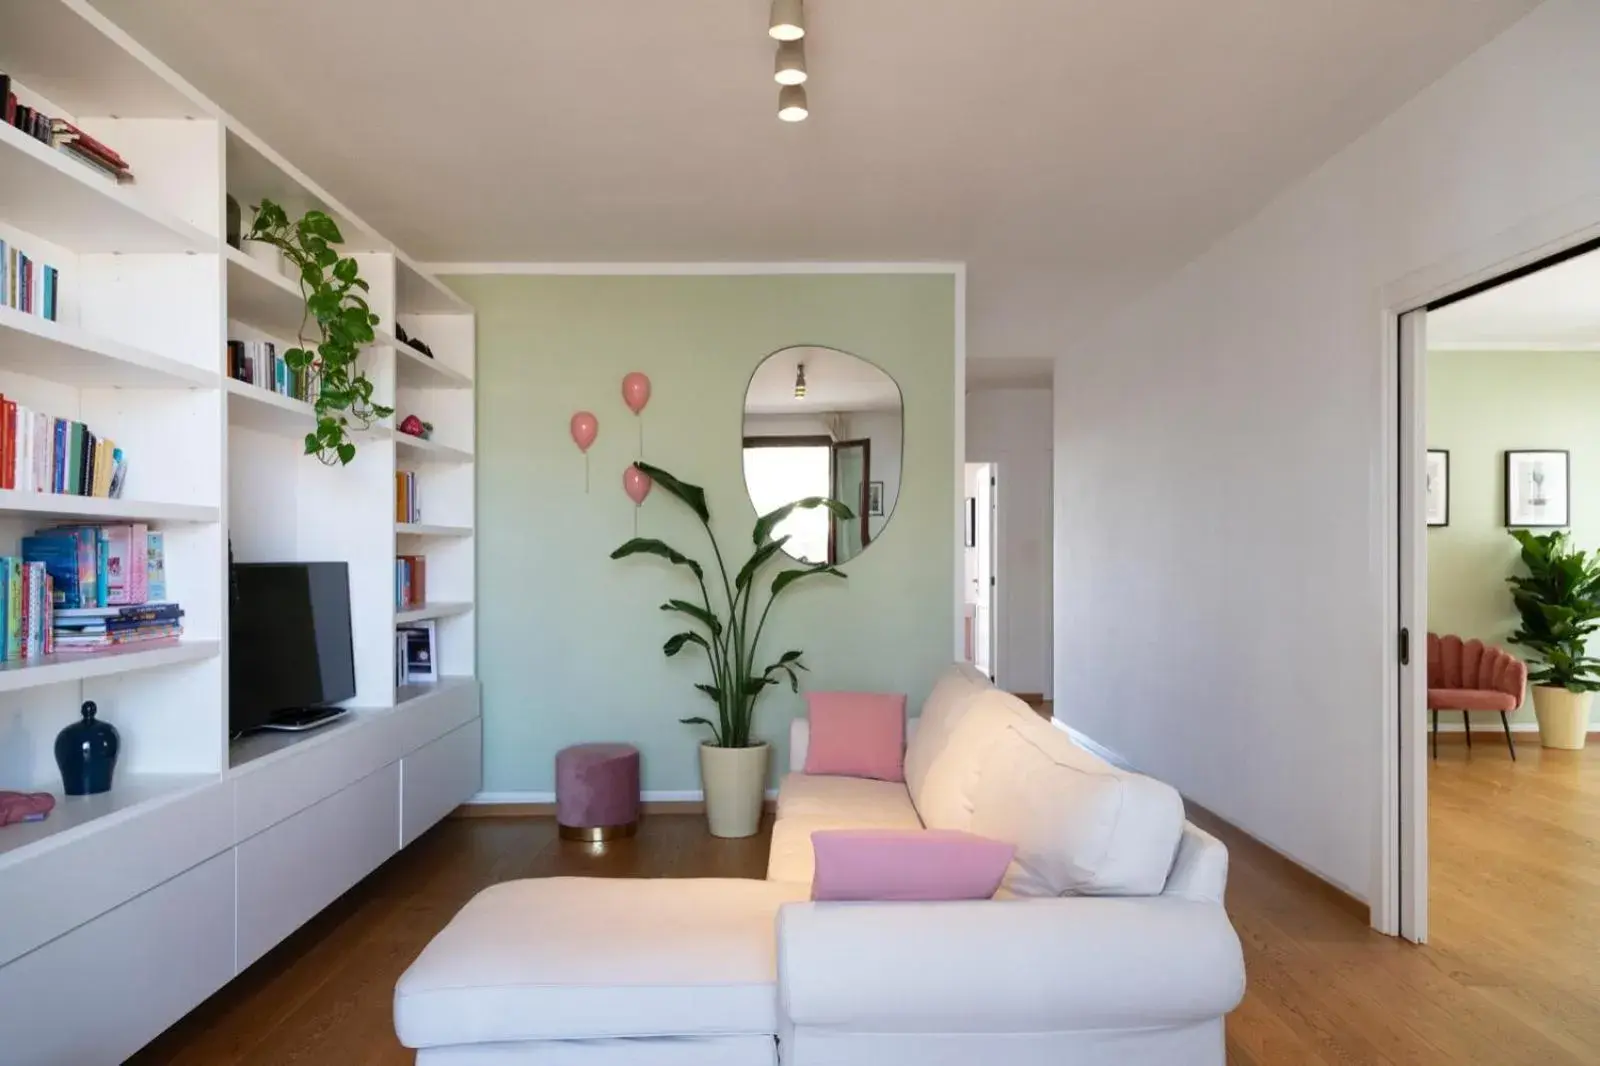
(1468, 675)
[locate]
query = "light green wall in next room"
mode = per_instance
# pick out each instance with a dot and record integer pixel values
(1480, 404)
(569, 642)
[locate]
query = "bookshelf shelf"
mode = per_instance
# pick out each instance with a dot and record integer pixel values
(73, 816)
(422, 294)
(57, 352)
(413, 370)
(256, 408)
(54, 669)
(261, 297)
(404, 694)
(422, 529)
(58, 505)
(431, 611)
(66, 203)
(418, 450)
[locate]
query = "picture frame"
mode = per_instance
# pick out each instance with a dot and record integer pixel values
(417, 648)
(875, 499)
(1436, 491)
(970, 540)
(1538, 488)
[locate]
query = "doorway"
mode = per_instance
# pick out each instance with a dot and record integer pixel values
(982, 580)
(1499, 467)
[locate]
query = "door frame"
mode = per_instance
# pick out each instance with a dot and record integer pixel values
(1398, 895)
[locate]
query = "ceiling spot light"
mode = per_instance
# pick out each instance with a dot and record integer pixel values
(790, 66)
(788, 21)
(792, 103)
(800, 382)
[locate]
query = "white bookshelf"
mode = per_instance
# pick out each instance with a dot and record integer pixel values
(150, 295)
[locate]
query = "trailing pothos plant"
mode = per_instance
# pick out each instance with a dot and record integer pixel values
(336, 325)
(1559, 604)
(725, 634)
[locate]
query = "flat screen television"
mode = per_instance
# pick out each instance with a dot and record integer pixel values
(290, 655)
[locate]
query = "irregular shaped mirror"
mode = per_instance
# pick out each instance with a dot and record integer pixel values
(821, 422)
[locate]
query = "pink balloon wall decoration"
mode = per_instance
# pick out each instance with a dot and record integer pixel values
(636, 391)
(585, 428)
(637, 484)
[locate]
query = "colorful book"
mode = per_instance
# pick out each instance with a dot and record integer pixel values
(156, 566)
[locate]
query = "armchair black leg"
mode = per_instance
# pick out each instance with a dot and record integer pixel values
(1436, 734)
(1466, 724)
(1507, 723)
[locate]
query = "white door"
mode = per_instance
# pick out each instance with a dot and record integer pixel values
(1411, 834)
(981, 577)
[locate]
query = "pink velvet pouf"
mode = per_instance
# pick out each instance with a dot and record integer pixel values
(597, 791)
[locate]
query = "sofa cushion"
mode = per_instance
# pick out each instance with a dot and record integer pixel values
(945, 800)
(850, 801)
(1081, 826)
(906, 865)
(573, 958)
(857, 734)
(949, 700)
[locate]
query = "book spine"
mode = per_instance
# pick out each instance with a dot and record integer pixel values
(49, 615)
(102, 570)
(156, 566)
(13, 609)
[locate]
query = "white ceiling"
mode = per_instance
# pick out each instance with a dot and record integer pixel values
(1070, 151)
(835, 381)
(1555, 308)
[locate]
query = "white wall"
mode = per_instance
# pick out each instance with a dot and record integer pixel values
(1220, 491)
(1011, 427)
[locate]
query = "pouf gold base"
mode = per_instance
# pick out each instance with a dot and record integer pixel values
(595, 834)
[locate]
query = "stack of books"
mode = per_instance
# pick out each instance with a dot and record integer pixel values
(40, 453)
(60, 134)
(28, 285)
(27, 609)
(410, 581)
(258, 363)
(407, 508)
(107, 586)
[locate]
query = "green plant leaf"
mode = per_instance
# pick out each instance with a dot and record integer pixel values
(347, 452)
(650, 546)
(716, 737)
(676, 642)
(698, 613)
(757, 560)
(768, 522)
(710, 690)
(692, 495)
(789, 577)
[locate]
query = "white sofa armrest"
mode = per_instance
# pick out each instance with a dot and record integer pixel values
(1024, 966)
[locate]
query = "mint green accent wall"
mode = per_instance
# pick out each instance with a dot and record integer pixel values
(569, 642)
(1479, 405)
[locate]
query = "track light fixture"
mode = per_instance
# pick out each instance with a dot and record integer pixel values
(800, 382)
(789, 68)
(788, 22)
(792, 103)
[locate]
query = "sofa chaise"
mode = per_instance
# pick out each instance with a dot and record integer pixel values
(1106, 945)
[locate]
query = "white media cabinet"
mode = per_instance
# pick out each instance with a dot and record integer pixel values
(122, 912)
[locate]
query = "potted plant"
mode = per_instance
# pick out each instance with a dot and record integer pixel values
(733, 764)
(1559, 602)
(334, 307)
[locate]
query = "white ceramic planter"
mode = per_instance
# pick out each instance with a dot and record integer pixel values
(1563, 717)
(735, 783)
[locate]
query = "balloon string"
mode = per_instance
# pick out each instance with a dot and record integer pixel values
(641, 436)
(636, 520)
(586, 473)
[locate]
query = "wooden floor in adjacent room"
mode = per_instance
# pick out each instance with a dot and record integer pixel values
(1512, 974)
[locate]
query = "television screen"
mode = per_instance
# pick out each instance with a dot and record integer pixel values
(289, 646)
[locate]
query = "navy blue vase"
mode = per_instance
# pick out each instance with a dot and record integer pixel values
(86, 751)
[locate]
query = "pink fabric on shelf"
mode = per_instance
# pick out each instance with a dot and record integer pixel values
(857, 734)
(906, 864)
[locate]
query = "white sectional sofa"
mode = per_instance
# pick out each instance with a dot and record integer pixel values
(1107, 944)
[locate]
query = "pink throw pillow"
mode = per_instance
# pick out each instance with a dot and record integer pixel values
(906, 864)
(857, 734)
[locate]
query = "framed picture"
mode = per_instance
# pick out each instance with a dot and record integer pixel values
(875, 498)
(1437, 507)
(971, 538)
(1537, 490)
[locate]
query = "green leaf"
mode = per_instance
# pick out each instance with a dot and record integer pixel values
(650, 546)
(710, 690)
(748, 571)
(716, 737)
(692, 495)
(313, 445)
(768, 522)
(676, 642)
(700, 614)
(347, 452)
(789, 577)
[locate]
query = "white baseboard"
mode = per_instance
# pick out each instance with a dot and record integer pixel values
(1088, 743)
(647, 796)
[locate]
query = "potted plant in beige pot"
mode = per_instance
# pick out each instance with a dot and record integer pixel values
(1558, 600)
(733, 763)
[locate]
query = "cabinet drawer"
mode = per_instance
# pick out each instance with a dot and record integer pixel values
(437, 778)
(81, 878)
(98, 994)
(269, 793)
(294, 869)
